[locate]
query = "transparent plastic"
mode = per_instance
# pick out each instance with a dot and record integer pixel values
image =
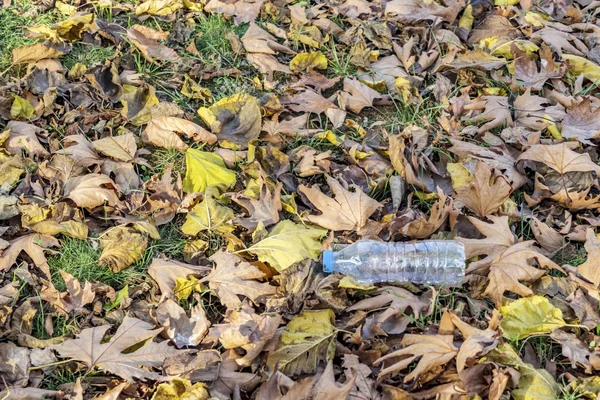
(434, 262)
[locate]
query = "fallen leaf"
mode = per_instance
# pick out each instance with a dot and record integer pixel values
(526, 68)
(179, 388)
(150, 48)
(34, 245)
(236, 119)
(185, 331)
(264, 209)
(21, 109)
(581, 122)
(307, 339)
(204, 169)
(109, 356)
(560, 157)
(486, 191)
(158, 7)
(233, 277)
(590, 270)
(120, 148)
(304, 62)
(165, 274)
(121, 247)
(208, 215)
(74, 299)
(89, 191)
(574, 349)
(137, 102)
(356, 96)
(433, 352)
(288, 243)
(164, 132)
(529, 316)
(423, 227)
(24, 136)
(347, 211)
(33, 53)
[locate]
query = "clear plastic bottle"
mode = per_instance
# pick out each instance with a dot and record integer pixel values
(434, 262)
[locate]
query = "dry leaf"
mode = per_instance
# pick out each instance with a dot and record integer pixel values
(185, 331)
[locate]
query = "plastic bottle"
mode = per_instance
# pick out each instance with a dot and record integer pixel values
(435, 262)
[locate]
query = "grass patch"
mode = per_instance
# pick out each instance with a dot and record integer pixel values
(80, 259)
(87, 55)
(573, 254)
(12, 27)
(212, 44)
(544, 348)
(161, 158)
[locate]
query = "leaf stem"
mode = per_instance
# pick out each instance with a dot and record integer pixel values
(50, 365)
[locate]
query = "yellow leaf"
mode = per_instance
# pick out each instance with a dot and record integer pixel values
(534, 384)
(194, 91)
(185, 286)
(65, 8)
(461, 177)
(77, 71)
(181, 389)
(204, 169)
(190, 5)
(466, 21)
(11, 168)
(236, 119)
(580, 65)
(137, 102)
(504, 3)
(122, 246)
(328, 136)
(306, 340)
(159, 7)
(21, 109)
(288, 243)
(308, 61)
(42, 32)
(208, 215)
(501, 46)
(528, 316)
(193, 248)
(34, 53)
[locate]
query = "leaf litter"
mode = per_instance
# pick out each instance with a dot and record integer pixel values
(171, 171)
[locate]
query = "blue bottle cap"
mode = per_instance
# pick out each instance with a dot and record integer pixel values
(328, 261)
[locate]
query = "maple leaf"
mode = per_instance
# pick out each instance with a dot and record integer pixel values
(73, 300)
(165, 274)
(89, 191)
(499, 237)
(247, 330)
(560, 157)
(512, 266)
(481, 192)
(306, 340)
(121, 247)
(433, 351)
(347, 211)
(120, 148)
(184, 331)
(208, 215)
(288, 243)
(89, 349)
(33, 245)
(423, 227)
(590, 269)
(526, 68)
(233, 277)
(582, 122)
(356, 96)
(264, 209)
(495, 113)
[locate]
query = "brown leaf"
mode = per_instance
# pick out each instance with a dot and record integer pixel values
(423, 227)
(164, 132)
(14, 364)
(415, 10)
(33, 53)
(574, 349)
(246, 330)
(242, 11)
(499, 237)
(24, 136)
(433, 351)
(356, 96)
(486, 193)
(256, 40)
(560, 157)
(582, 122)
(267, 64)
(263, 210)
(89, 191)
(73, 299)
(166, 272)
(109, 356)
(150, 48)
(347, 211)
(496, 112)
(590, 269)
(512, 266)
(185, 331)
(34, 246)
(327, 388)
(365, 387)
(548, 238)
(232, 277)
(121, 247)
(526, 69)
(120, 148)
